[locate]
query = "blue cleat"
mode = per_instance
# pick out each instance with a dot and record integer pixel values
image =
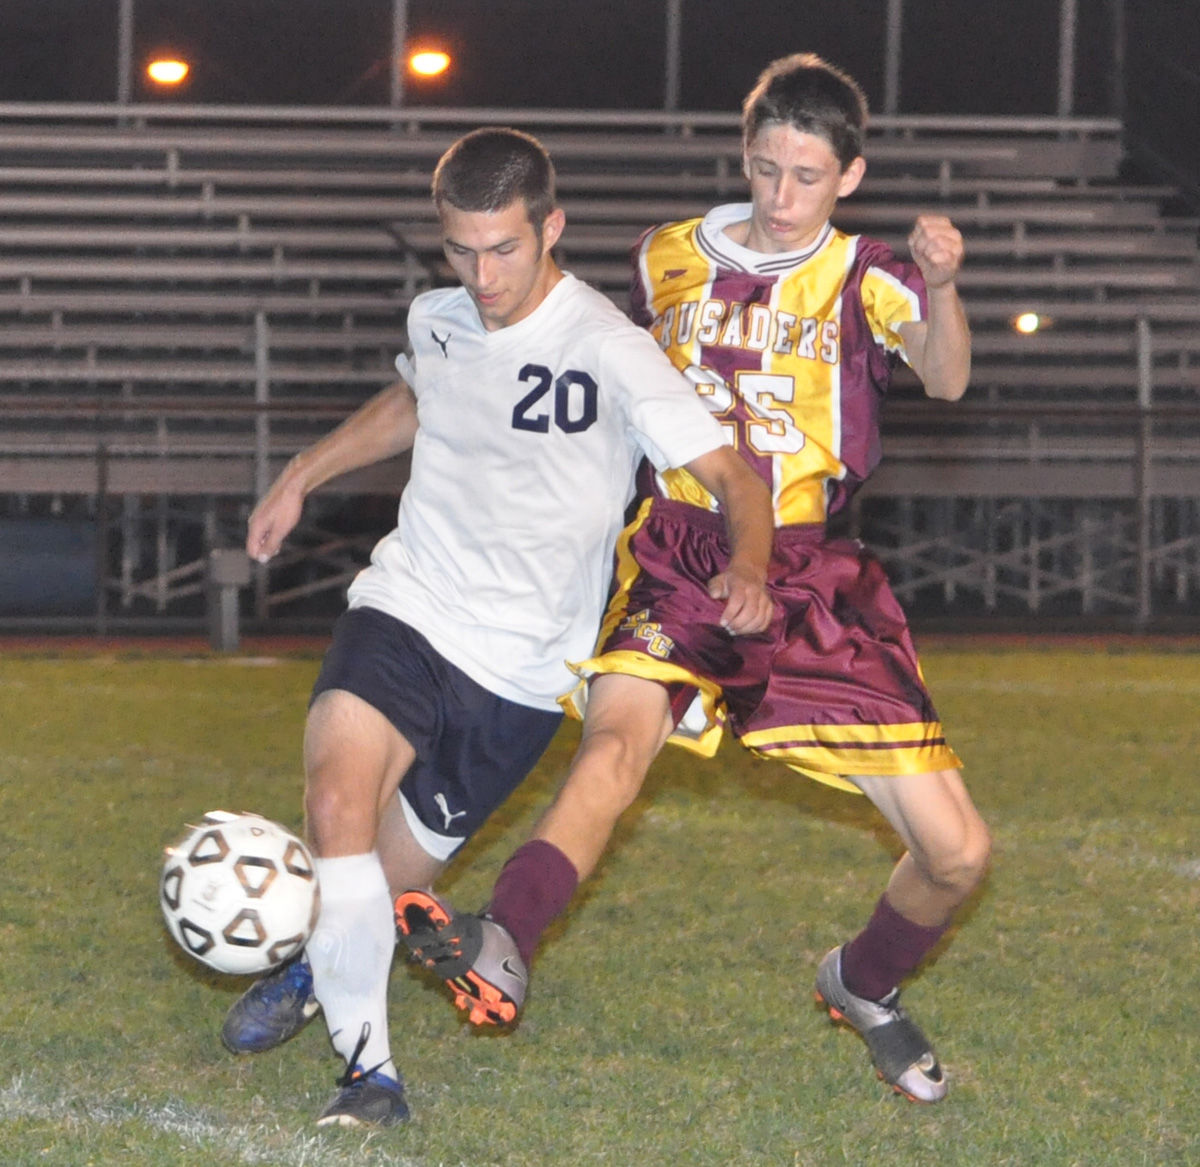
(365, 1098)
(272, 1010)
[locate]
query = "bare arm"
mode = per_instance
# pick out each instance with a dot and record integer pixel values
(381, 428)
(939, 349)
(746, 504)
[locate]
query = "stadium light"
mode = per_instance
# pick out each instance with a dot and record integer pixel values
(1028, 323)
(167, 70)
(428, 62)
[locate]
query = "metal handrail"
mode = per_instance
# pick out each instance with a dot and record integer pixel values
(897, 409)
(387, 116)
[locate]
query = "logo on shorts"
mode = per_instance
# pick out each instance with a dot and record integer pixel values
(444, 807)
(640, 624)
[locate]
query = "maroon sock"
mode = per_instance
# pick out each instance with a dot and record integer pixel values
(885, 952)
(535, 885)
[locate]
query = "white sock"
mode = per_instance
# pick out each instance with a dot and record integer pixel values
(350, 951)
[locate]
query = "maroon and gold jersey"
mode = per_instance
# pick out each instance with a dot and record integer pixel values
(792, 352)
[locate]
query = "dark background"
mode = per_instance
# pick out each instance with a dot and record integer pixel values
(959, 57)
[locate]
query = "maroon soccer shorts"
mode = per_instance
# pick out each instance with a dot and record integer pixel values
(833, 687)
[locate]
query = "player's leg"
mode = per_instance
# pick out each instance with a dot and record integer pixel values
(845, 690)
(474, 749)
(354, 759)
(356, 748)
(948, 844)
(946, 858)
(280, 1004)
(406, 863)
(375, 705)
(627, 721)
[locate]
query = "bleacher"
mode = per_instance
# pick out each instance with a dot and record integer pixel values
(187, 296)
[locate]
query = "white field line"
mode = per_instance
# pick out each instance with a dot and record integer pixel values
(202, 1136)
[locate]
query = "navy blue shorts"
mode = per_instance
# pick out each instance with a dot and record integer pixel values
(473, 748)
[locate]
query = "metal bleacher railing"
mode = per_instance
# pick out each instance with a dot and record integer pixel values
(189, 295)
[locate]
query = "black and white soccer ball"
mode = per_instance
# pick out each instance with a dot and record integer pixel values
(239, 892)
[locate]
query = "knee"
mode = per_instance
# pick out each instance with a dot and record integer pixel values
(347, 757)
(961, 867)
(609, 770)
(326, 805)
(324, 797)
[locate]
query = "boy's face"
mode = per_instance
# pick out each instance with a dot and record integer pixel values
(502, 260)
(795, 182)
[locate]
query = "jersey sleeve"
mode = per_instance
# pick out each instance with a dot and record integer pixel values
(893, 293)
(667, 420)
(406, 366)
(639, 293)
(406, 361)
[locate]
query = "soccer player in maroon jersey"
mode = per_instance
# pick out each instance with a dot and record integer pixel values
(788, 329)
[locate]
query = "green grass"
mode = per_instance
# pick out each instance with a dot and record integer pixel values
(671, 1019)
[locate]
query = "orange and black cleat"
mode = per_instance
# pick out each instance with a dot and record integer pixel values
(473, 954)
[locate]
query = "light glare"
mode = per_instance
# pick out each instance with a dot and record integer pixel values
(167, 72)
(429, 62)
(1027, 323)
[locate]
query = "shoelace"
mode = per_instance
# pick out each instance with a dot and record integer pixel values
(353, 1075)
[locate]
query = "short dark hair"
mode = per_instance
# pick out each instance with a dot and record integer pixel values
(489, 169)
(815, 97)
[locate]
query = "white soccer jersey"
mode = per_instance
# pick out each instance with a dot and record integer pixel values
(522, 469)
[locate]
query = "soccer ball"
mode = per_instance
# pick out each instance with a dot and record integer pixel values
(239, 892)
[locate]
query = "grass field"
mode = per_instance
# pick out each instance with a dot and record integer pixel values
(671, 1019)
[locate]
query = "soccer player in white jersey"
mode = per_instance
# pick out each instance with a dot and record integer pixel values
(528, 400)
(789, 330)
